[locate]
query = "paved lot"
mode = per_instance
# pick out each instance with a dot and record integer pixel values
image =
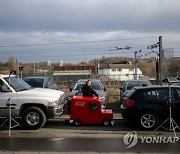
(59, 137)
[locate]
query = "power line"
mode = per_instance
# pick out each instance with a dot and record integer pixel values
(178, 37)
(73, 53)
(70, 55)
(78, 42)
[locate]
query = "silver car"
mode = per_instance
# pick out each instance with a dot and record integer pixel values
(97, 86)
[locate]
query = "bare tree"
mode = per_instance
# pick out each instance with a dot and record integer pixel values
(12, 64)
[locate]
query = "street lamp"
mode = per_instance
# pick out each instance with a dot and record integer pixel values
(21, 68)
(136, 61)
(17, 58)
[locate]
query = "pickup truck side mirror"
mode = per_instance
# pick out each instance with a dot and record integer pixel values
(122, 89)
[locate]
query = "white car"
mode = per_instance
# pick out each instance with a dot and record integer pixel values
(33, 105)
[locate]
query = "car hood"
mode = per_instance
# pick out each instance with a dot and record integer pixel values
(41, 92)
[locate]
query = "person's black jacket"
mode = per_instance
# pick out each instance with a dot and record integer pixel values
(88, 91)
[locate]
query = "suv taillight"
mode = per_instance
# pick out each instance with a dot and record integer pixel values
(129, 102)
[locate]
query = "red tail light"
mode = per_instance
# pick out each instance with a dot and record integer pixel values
(129, 102)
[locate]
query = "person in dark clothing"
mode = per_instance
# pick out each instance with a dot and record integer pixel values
(87, 89)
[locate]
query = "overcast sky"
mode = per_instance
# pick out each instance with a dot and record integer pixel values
(80, 30)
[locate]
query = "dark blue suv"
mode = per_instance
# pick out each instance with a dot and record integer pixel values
(149, 106)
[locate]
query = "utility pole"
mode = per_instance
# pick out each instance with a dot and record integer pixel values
(159, 61)
(34, 68)
(135, 64)
(17, 58)
(157, 69)
(161, 57)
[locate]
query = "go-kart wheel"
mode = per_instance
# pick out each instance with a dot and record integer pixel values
(106, 122)
(77, 122)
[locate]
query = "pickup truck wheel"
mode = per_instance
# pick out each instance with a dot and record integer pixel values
(33, 118)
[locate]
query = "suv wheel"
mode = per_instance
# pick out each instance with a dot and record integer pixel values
(148, 120)
(33, 118)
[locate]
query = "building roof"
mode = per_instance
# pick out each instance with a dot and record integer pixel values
(75, 72)
(76, 68)
(116, 66)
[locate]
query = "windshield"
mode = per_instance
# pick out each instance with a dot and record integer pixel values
(137, 83)
(35, 82)
(78, 86)
(176, 83)
(96, 86)
(130, 93)
(17, 84)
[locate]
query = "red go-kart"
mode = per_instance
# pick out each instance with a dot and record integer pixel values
(87, 110)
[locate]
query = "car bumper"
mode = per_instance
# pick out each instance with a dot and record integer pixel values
(54, 111)
(102, 100)
(128, 114)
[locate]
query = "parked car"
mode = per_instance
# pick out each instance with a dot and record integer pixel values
(41, 82)
(32, 105)
(97, 86)
(166, 81)
(129, 84)
(149, 106)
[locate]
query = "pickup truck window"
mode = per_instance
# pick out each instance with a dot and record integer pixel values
(3, 87)
(17, 83)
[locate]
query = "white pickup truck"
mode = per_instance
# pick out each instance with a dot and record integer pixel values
(33, 105)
